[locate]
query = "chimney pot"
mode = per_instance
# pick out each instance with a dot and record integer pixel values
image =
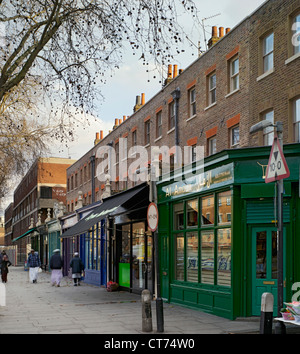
(143, 99)
(227, 30)
(97, 136)
(120, 121)
(169, 71)
(101, 134)
(124, 118)
(221, 32)
(175, 70)
(116, 121)
(214, 32)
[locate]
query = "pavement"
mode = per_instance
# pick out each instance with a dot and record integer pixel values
(43, 309)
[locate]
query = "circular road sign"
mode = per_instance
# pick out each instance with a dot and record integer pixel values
(152, 217)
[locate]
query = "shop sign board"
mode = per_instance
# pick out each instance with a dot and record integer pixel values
(218, 177)
(152, 217)
(277, 167)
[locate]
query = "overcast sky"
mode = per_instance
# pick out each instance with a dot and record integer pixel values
(132, 79)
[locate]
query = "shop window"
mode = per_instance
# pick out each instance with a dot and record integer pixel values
(192, 213)
(224, 208)
(192, 257)
(179, 258)
(224, 257)
(178, 216)
(207, 257)
(208, 211)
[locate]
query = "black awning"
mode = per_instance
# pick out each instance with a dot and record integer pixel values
(109, 206)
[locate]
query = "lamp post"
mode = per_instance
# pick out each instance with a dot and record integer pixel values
(280, 326)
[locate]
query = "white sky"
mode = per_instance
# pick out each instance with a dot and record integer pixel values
(131, 79)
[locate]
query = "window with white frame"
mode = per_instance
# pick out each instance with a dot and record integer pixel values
(234, 74)
(296, 34)
(172, 115)
(268, 133)
(192, 102)
(158, 124)
(147, 132)
(296, 116)
(212, 145)
(268, 52)
(235, 137)
(212, 89)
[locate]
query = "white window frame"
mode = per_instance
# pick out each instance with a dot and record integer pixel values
(232, 144)
(296, 29)
(192, 102)
(267, 53)
(234, 76)
(158, 124)
(268, 133)
(171, 115)
(212, 90)
(212, 145)
(296, 119)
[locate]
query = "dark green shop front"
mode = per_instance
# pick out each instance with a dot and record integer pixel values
(218, 236)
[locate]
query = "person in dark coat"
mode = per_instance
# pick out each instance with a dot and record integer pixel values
(4, 268)
(56, 264)
(77, 268)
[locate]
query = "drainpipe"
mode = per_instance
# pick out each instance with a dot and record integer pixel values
(176, 96)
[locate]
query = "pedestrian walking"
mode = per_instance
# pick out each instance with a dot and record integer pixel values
(56, 264)
(4, 268)
(77, 268)
(33, 264)
(2, 254)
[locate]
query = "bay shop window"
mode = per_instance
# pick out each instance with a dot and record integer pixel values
(202, 240)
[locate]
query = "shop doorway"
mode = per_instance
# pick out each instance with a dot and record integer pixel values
(264, 266)
(135, 254)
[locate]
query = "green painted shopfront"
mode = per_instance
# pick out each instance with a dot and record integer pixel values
(218, 233)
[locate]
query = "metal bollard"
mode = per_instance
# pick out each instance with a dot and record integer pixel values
(146, 311)
(266, 317)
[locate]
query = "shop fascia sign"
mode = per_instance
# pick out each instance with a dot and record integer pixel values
(217, 177)
(102, 213)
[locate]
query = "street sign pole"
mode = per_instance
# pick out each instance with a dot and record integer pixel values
(280, 326)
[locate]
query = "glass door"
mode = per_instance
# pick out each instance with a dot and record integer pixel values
(264, 266)
(139, 265)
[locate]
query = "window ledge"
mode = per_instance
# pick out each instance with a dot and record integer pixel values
(232, 93)
(265, 74)
(160, 137)
(210, 106)
(147, 145)
(171, 130)
(192, 117)
(294, 57)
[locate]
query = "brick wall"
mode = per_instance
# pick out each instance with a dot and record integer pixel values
(242, 107)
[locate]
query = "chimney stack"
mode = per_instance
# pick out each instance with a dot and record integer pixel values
(96, 141)
(214, 35)
(116, 123)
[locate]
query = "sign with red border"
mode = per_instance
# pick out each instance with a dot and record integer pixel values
(277, 167)
(152, 217)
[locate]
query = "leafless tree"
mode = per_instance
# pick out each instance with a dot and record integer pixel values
(67, 47)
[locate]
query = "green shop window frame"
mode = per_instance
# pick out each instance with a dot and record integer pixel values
(202, 231)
